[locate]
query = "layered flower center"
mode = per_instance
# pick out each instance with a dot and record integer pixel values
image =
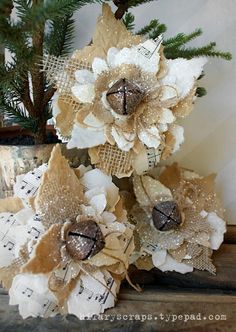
(84, 239)
(124, 96)
(166, 216)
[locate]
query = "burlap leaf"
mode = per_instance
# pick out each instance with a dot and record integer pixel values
(11, 204)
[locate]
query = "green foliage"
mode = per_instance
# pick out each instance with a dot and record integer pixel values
(153, 29)
(128, 20)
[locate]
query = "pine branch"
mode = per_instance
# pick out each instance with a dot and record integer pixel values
(17, 114)
(50, 10)
(181, 39)
(59, 40)
(128, 20)
(201, 92)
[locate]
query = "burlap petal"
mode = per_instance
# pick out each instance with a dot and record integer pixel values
(65, 119)
(60, 194)
(11, 204)
(112, 160)
(47, 253)
(169, 145)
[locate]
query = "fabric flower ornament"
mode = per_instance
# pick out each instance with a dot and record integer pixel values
(124, 105)
(65, 241)
(179, 221)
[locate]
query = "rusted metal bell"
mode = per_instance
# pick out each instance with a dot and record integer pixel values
(166, 216)
(124, 96)
(84, 240)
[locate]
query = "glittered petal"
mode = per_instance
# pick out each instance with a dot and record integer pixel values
(185, 106)
(125, 144)
(152, 189)
(111, 32)
(47, 253)
(178, 134)
(60, 193)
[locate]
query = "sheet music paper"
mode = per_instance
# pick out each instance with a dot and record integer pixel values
(90, 297)
(27, 184)
(15, 231)
(32, 294)
(150, 47)
(147, 159)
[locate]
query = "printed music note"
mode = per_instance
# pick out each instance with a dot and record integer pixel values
(28, 292)
(34, 232)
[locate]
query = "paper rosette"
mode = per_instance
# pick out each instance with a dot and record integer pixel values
(121, 98)
(179, 221)
(65, 241)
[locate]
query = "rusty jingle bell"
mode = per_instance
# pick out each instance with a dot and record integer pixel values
(166, 216)
(124, 96)
(84, 240)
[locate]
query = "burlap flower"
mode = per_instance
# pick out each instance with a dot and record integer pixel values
(65, 243)
(178, 221)
(124, 105)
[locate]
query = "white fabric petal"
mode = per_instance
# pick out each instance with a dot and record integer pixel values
(150, 137)
(167, 116)
(84, 76)
(92, 121)
(96, 178)
(108, 217)
(32, 295)
(182, 74)
(124, 143)
(111, 54)
(99, 203)
(99, 65)
(218, 229)
(178, 133)
(134, 56)
(90, 297)
(169, 92)
(173, 265)
(82, 138)
(159, 257)
(85, 93)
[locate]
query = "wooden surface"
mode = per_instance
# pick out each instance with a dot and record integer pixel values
(206, 302)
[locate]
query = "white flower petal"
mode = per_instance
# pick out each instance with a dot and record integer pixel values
(178, 133)
(182, 74)
(169, 92)
(90, 297)
(85, 93)
(99, 65)
(159, 257)
(82, 138)
(96, 178)
(124, 143)
(111, 54)
(92, 121)
(32, 295)
(134, 56)
(167, 116)
(218, 229)
(172, 265)
(84, 76)
(150, 137)
(99, 203)
(108, 217)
